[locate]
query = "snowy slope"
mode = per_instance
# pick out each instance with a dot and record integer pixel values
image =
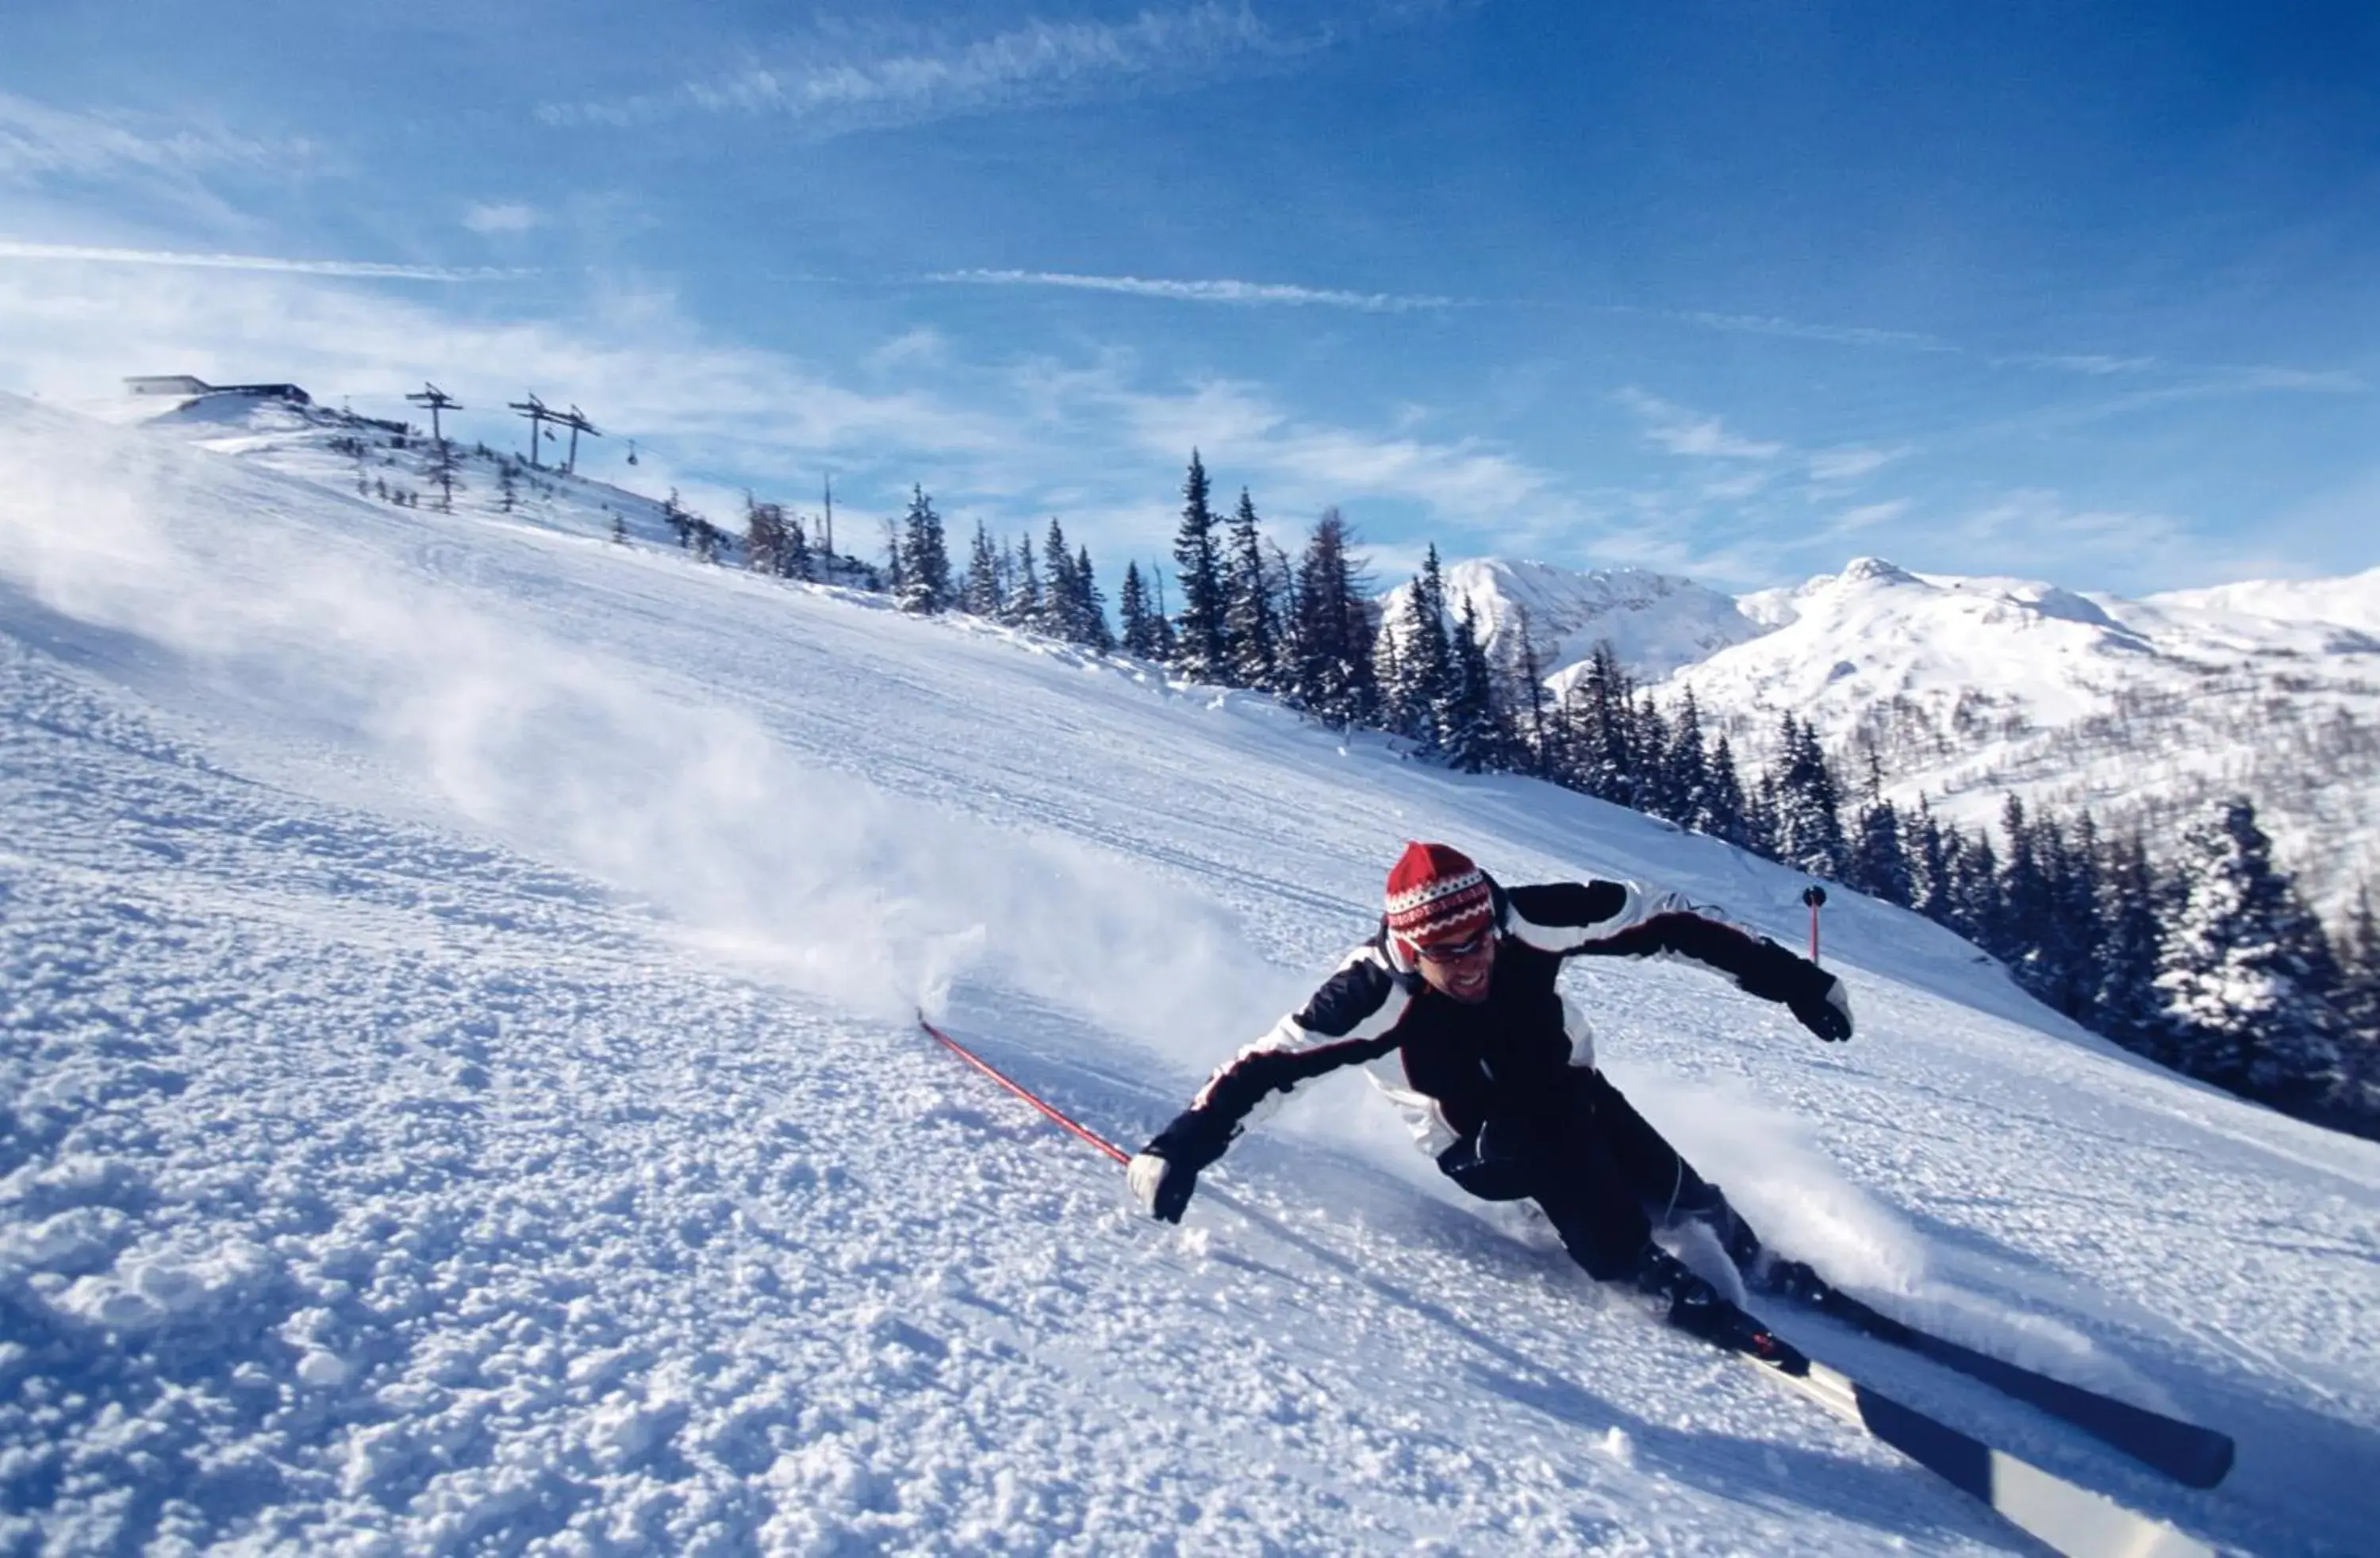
(458, 1093)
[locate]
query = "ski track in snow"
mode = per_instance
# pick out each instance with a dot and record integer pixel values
(458, 1097)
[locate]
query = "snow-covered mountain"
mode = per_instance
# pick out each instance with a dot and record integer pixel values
(2352, 602)
(1971, 689)
(1656, 621)
(458, 1093)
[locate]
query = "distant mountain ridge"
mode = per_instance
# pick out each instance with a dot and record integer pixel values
(1970, 688)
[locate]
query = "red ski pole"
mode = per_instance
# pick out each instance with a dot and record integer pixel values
(1084, 1132)
(1815, 896)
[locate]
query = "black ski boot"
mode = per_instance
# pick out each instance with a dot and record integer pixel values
(1791, 1280)
(1696, 1307)
(1764, 1271)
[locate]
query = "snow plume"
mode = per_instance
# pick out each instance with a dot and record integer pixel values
(1788, 1189)
(804, 875)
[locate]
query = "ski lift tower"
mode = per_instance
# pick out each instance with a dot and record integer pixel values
(534, 410)
(437, 400)
(578, 423)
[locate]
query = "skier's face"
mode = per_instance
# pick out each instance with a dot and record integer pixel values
(1460, 970)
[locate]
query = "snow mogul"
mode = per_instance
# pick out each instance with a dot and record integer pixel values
(1452, 1008)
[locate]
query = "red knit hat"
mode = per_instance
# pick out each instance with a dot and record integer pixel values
(1437, 894)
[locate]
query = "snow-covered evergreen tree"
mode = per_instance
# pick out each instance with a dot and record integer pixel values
(1332, 631)
(925, 558)
(1091, 604)
(2249, 978)
(1139, 616)
(2126, 1004)
(1879, 855)
(1420, 701)
(1728, 806)
(980, 595)
(1024, 606)
(1251, 616)
(1809, 807)
(1473, 725)
(1930, 867)
(2359, 1005)
(1061, 610)
(1200, 647)
(1531, 704)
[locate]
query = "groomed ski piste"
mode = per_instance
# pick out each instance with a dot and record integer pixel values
(460, 1091)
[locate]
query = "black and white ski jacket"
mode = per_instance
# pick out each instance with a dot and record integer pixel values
(1448, 1066)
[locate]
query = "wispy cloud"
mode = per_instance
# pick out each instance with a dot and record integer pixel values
(1237, 292)
(1682, 431)
(37, 141)
(2189, 380)
(1849, 464)
(829, 90)
(359, 269)
(1842, 335)
(491, 219)
(2094, 364)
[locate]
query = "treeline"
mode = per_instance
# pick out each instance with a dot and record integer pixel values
(2203, 957)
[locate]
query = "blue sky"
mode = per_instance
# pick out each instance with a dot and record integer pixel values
(1736, 290)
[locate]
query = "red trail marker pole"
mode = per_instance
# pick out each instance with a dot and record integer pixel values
(1815, 896)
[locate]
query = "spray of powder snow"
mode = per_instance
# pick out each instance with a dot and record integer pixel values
(817, 879)
(1785, 1186)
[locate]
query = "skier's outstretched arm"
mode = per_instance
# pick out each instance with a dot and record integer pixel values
(1623, 920)
(1348, 1021)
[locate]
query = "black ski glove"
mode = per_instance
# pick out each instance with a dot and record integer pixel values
(1824, 1009)
(1167, 1169)
(1161, 1185)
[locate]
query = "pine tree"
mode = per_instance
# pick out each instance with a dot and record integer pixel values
(1332, 631)
(2248, 977)
(1026, 606)
(1648, 742)
(1201, 651)
(1140, 620)
(1728, 805)
(1424, 689)
(764, 536)
(797, 560)
(2126, 1004)
(1600, 729)
(980, 595)
(1251, 626)
(1879, 860)
(1975, 870)
(1685, 771)
(2071, 952)
(1809, 808)
(1061, 612)
(924, 559)
(2358, 1007)
(1090, 605)
(1931, 891)
(1532, 708)
(1473, 726)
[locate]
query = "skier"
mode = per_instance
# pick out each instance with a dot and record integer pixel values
(1453, 1007)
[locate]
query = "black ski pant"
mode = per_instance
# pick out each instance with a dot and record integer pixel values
(1601, 1174)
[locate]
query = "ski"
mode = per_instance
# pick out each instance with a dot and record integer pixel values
(2070, 1519)
(2191, 1455)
